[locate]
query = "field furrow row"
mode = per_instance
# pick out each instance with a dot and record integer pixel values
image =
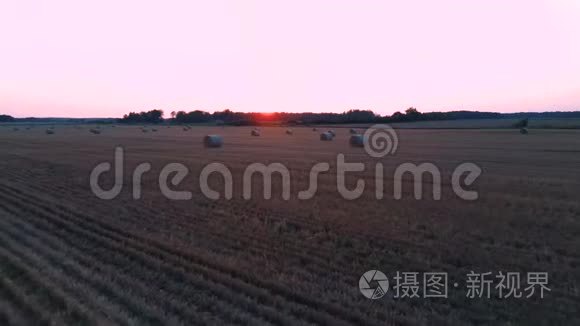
(148, 252)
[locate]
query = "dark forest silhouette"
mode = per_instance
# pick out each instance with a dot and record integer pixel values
(352, 116)
(229, 117)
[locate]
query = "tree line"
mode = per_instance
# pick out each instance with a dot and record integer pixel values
(254, 118)
(6, 118)
(351, 116)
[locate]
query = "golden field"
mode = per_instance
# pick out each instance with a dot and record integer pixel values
(68, 257)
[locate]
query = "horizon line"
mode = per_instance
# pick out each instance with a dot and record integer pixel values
(285, 112)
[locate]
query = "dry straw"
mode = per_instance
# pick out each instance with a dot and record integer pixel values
(326, 136)
(213, 141)
(357, 141)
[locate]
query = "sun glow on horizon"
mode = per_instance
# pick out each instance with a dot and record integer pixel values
(266, 116)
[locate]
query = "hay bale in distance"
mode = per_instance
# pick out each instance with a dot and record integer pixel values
(326, 136)
(289, 132)
(95, 131)
(332, 133)
(49, 132)
(213, 141)
(255, 132)
(353, 131)
(524, 131)
(357, 141)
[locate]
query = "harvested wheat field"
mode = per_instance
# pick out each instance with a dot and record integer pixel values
(68, 257)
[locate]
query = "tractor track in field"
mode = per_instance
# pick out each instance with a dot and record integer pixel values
(129, 294)
(152, 254)
(316, 256)
(234, 241)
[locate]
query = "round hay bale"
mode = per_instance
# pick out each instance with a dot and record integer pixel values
(332, 133)
(289, 132)
(185, 129)
(15, 129)
(357, 141)
(524, 131)
(154, 130)
(353, 131)
(213, 141)
(49, 132)
(255, 132)
(314, 129)
(326, 136)
(95, 131)
(144, 130)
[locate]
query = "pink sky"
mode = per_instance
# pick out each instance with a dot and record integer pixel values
(71, 58)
